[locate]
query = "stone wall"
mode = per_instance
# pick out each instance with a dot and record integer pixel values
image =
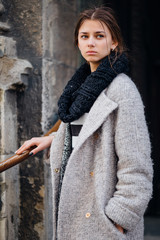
(22, 187)
(25, 190)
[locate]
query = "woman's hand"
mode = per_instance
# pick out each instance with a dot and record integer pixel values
(41, 143)
(119, 228)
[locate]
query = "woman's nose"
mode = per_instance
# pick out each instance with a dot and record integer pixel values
(91, 42)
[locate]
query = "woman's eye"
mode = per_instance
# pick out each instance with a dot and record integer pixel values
(83, 36)
(100, 36)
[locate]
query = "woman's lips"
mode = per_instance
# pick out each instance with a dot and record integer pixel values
(91, 52)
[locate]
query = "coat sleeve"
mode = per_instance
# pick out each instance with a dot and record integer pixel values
(134, 167)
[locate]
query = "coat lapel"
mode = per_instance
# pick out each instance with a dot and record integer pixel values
(100, 110)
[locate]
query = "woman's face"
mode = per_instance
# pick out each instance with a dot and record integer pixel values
(95, 42)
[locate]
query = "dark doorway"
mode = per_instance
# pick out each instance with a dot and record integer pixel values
(139, 21)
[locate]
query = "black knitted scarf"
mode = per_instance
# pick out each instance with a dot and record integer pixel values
(84, 87)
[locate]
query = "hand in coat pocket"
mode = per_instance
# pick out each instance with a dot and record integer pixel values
(119, 228)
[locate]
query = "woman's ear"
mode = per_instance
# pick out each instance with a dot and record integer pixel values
(114, 45)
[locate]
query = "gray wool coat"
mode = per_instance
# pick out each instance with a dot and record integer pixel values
(108, 177)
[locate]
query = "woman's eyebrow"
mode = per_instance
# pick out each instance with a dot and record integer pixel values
(83, 32)
(100, 32)
(95, 32)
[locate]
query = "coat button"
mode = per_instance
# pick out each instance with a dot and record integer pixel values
(56, 170)
(88, 215)
(91, 174)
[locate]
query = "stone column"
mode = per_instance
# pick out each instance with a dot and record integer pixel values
(60, 60)
(13, 78)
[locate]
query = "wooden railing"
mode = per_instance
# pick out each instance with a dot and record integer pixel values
(15, 159)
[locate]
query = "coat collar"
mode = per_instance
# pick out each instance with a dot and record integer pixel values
(100, 110)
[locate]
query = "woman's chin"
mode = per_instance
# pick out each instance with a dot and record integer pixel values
(92, 59)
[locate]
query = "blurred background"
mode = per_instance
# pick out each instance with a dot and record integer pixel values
(37, 58)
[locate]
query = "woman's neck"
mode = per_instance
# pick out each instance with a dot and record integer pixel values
(94, 66)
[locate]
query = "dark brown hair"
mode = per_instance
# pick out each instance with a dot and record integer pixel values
(107, 16)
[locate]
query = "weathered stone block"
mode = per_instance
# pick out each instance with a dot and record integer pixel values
(4, 27)
(7, 47)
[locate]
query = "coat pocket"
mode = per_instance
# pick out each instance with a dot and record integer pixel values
(115, 231)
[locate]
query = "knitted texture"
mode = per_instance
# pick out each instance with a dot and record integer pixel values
(84, 87)
(66, 154)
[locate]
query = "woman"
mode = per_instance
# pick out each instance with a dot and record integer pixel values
(100, 156)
